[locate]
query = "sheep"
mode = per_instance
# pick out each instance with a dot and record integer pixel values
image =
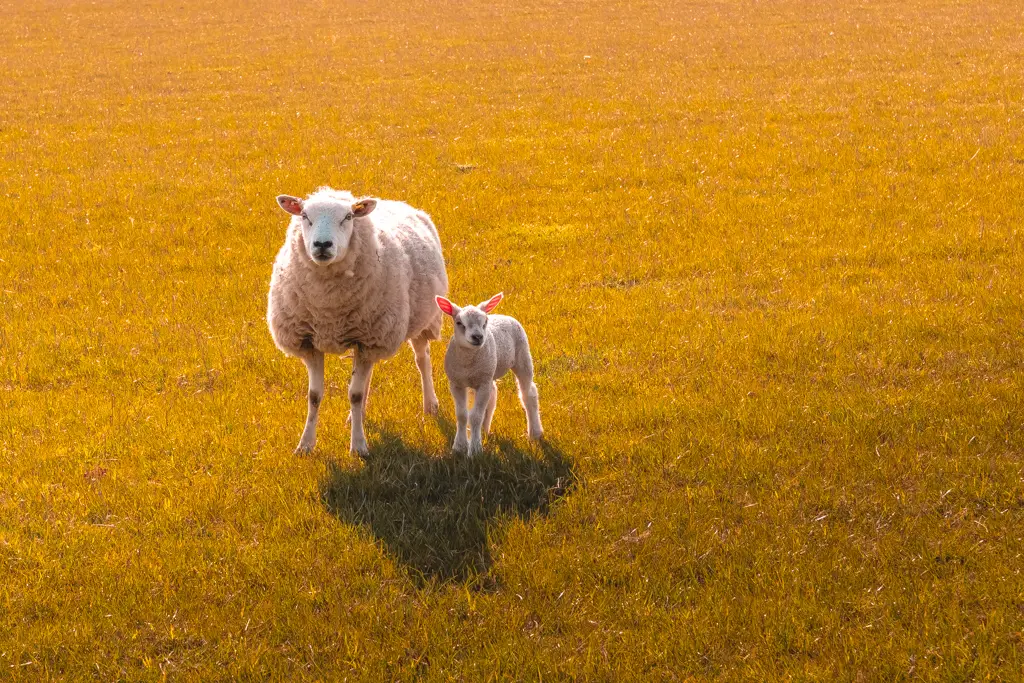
(483, 349)
(360, 276)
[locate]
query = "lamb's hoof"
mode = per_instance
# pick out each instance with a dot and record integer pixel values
(430, 407)
(459, 447)
(360, 448)
(537, 435)
(304, 448)
(475, 449)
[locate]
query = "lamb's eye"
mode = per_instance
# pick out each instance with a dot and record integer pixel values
(306, 218)
(459, 325)
(347, 218)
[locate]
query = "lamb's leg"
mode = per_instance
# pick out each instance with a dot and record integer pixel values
(421, 347)
(461, 415)
(358, 387)
(490, 409)
(476, 417)
(529, 398)
(315, 367)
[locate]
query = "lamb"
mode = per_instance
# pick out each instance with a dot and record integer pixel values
(483, 349)
(360, 276)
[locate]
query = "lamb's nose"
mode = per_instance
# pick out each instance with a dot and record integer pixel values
(476, 338)
(323, 245)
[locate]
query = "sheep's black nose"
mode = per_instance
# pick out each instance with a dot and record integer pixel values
(323, 245)
(476, 339)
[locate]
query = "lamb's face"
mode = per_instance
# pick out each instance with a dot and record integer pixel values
(471, 321)
(327, 224)
(470, 327)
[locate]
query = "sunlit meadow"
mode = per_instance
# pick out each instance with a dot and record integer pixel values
(769, 256)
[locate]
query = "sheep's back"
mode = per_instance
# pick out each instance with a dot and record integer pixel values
(411, 235)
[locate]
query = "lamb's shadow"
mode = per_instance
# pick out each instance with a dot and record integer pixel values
(434, 513)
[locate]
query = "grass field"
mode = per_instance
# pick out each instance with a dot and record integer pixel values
(770, 258)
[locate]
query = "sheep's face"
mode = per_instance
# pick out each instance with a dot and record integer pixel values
(471, 321)
(327, 224)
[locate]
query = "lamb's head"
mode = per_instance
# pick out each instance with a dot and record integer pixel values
(471, 321)
(327, 219)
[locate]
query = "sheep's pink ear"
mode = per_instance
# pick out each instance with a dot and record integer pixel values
(292, 205)
(446, 306)
(363, 207)
(492, 303)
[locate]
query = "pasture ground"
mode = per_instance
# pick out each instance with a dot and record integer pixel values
(769, 256)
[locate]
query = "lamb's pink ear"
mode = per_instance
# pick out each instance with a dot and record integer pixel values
(292, 205)
(446, 306)
(363, 207)
(492, 303)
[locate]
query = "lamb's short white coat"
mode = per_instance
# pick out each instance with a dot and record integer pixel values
(484, 348)
(367, 285)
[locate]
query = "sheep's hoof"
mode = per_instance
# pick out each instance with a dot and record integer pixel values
(459, 447)
(307, 441)
(430, 407)
(475, 449)
(360, 448)
(537, 435)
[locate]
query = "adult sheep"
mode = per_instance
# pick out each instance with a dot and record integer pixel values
(360, 276)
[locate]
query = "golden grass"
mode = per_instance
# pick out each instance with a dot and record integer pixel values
(769, 257)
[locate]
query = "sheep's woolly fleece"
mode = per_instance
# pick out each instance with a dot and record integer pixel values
(374, 298)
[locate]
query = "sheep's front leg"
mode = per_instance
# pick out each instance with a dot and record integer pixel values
(315, 368)
(366, 397)
(421, 347)
(461, 417)
(476, 417)
(358, 388)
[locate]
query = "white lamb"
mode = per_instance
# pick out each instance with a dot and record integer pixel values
(361, 276)
(483, 349)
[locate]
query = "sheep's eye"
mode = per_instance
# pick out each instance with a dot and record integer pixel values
(347, 218)
(306, 218)
(459, 325)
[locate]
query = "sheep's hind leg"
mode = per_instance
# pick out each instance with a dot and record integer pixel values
(461, 417)
(476, 417)
(358, 389)
(530, 399)
(421, 347)
(491, 404)
(315, 368)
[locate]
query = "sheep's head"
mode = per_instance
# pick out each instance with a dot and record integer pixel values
(327, 222)
(471, 321)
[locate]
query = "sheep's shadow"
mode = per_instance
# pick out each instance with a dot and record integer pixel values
(434, 514)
